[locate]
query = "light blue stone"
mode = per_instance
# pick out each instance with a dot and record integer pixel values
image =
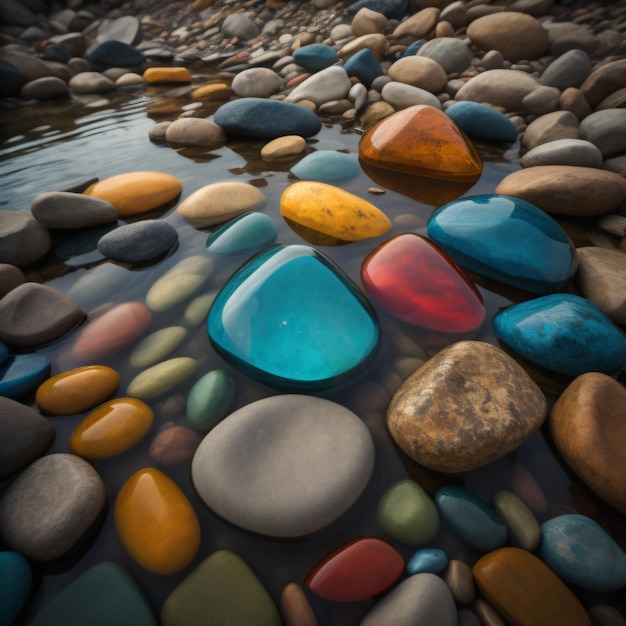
(563, 333)
(15, 582)
(246, 233)
(582, 553)
(315, 57)
(327, 166)
(427, 560)
(364, 66)
(476, 522)
(507, 239)
(22, 374)
(481, 121)
(292, 319)
(4, 353)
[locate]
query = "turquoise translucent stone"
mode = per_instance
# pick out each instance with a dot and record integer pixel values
(249, 233)
(292, 319)
(507, 239)
(15, 582)
(326, 166)
(22, 374)
(563, 333)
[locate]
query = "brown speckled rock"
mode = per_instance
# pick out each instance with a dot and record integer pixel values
(486, 407)
(588, 426)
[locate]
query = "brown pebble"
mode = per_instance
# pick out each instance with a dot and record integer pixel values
(295, 607)
(487, 615)
(174, 445)
(458, 576)
(605, 615)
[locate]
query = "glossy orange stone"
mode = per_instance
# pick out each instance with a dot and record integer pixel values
(112, 428)
(156, 522)
(136, 192)
(423, 141)
(525, 591)
(77, 390)
(213, 91)
(167, 75)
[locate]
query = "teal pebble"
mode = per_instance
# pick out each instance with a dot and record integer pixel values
(15, 583)
(4, 353)
(246, 233)
(482, 121)
(326, 166)
(427, 560)
(22, 374)
(210, 400)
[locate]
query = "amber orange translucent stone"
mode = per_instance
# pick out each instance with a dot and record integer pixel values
(156, 522)
(111, 428)
(77, 390)
(423, 141)
(167, 75)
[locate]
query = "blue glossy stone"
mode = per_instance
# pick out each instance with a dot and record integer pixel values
(4, 353)
(481, 121)
(246, 233)
(22, 374)
(364, 66)
(427, 560)
(263, 118)
(476, 522)
(507, 239)
(315, 57)
(413, 49)
(563, 333)
(292, 319)
(582, 553)
(326, 166)
(15, 582)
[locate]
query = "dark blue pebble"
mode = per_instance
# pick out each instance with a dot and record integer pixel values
(364, 66)
(115, 54)
(22, 374)
(315, 57)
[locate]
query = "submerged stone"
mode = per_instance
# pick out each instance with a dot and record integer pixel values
(247, 233)
(424, 141)
(16, 579)
(326, 166)
(22, 373)
(210, 399)
(157, 346)
(162, 377)
(272, 320)
(507, 239)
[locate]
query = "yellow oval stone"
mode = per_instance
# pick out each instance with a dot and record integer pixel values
(213, 91)
(162, 377)
(156, 522)
(136, 192)
(111, 429)
(77, 390)
(167, 75)
(334, 214)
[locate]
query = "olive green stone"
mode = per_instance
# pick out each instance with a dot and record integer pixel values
(408, 514)
(210, 399)
(521, 521)
(161, 378)
(157, 346)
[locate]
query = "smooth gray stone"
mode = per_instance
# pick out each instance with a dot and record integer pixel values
(44, 88)
(25, 435)
(10, 277)
(606, 129)
(63, 209)
(332, 83)
(51, 506)
(239, 25)
(91, 82)
(401, 96)
(563, 152)
(285, 466)
(420, 600)
(140, 241)
(257, 82)
(23, 240)
(568, 70)
(451, 53)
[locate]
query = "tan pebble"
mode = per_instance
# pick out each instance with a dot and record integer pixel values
(543, 100)
(376, 42)
(603, 81)
(444, 29)
(295, 607)
(420, 72)
(520, 520)
(406, 366)
(377, 191)
(419, 25)
(458, 576)
(366, 21)
(573, 100)
(286, 146)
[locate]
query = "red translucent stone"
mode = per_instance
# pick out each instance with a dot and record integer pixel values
(414, 280)
(358, 570)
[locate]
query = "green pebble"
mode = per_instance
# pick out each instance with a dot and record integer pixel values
(210, 400)
(157, 346)
(521, 521)
(160, 378)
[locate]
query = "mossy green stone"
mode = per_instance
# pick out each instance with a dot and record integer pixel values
(221, 591)
(157, 346)
(408, 514)
(520, 520)
(210, 399)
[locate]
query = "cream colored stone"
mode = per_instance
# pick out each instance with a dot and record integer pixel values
(286, 146)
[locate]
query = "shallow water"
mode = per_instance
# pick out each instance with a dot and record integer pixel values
(51, 145)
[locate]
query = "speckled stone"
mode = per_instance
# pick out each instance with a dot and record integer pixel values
(138, 242)
(488, 406)
(62, 209)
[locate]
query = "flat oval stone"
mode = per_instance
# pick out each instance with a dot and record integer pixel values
(213, 592)
(315, 57)
(174, 444)
(285, 466)
(452, 54)
(112, 428)
(156, 522)
(246, 233)
(167, 75)
(408, 514)
(104, 594)
(402, 96)
(51, 506)
(77, 390)
(326, 166)
(507, 239)
(525, 591)
(295, 608)
(587, 424)
(210, 399)
(476, 522)
(416, 281)
(285, 146)
(427, 560)
(138, 242)
(484, 122)
(563, 152)
(256, 82)
(162, 377)
(63, 209)
(420, 600)
(23, 324)
(582, 553)
(550, 127)
(424, 141)
(566, 189)
(487, 407)
(194, 131)
(520, 520)
(331, 83)
(287, 337)
(219, 202)
(357, 570)
(136, 192)
(339, 215)
(567, 70)
(266, 119)
(112, 331)
(22, 374)
(563, 333)
(10, 277)
(16, 578)
(601, 128)
(90, 82)
(25, 435)
(157, 346)
(179, 282)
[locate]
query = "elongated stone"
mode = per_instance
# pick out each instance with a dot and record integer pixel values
(157, 346)
(210, 399)
(22, 374)
(156, 522)
(246, 233)
(162, 377)
(482, 121)
(63, 209)
(520, 520)
(427, 560)
(138, 242)
(167, 75)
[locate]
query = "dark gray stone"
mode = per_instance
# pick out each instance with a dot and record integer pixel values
(115, 54)
(140, 241)
(44, 88)
(11, 80)
(23, 240)
(63, 209)
(240, 26)
(606, 130)
(568, 70)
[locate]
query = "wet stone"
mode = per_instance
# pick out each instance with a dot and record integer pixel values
(62, 209)
(332, 83)
(244, 234)
(44, 88)
(281, 147)
(365, 66)
(326, 166)
(167, 75)
(23, 240)
(91, 82)
(315, 57)
(157, 346)
(174, 444)
(138, 242)
(563, 152)
(113, 53)
(256, 82)
(194, 131)
(21, 374)
(162, 377)
(210, 399)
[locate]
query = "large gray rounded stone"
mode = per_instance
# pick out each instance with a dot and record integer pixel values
(607, 130)
(23, 240)
(51, 506)
(451, 53)
(563, 152)
(63, 209)
(568, 70)
(284, 466)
